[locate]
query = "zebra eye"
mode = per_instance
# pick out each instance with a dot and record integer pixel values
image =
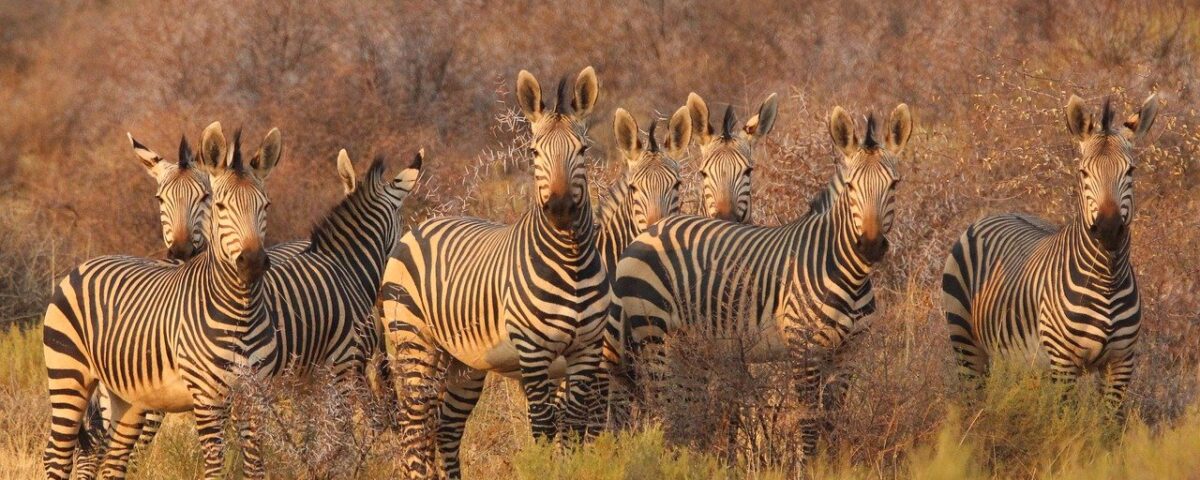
(583, 150)
(1083, 173)
(159, 198)
(533, 151)
(204, 198)
(220, 206)
(632, 188)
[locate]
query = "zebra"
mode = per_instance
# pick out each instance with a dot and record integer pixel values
(730, 279)
(646, 193)
(1014, 286)
(463, 296)
(320, 297)
(726, 160)
(164, 335)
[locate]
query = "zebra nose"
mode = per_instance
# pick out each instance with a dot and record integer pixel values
(1109, 226)
(251, 264)
(180, 250)
(561, 209)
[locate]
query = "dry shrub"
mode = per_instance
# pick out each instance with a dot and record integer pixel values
(317, 427)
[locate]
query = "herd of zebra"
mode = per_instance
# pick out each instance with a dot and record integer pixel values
(566, 296)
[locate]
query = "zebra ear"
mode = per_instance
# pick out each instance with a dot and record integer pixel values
(842, 131)
(406, 180)
(345, 171)
(760, 124)
(625, 129)
(529, 96)
(268, 154)
(587, 89)
(698, 110)
(1141, 122)
(899, 129)
(679, 132)
(150, 160)
(212, 147)
(1079, 122)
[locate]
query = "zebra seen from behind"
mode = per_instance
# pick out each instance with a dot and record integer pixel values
(1015, 286)
(727, 160)
(163, 335)
(799, 291)
(463, 296)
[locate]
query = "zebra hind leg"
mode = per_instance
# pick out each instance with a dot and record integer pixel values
(93, 433)
(125, 427)
(70, 391)
(418, 363)
(463, 389)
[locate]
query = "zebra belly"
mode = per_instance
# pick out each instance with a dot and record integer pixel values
(169, 394)
(504, 360)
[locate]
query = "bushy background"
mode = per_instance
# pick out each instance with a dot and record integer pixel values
(986, 82)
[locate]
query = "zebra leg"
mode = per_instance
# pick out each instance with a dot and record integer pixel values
(252, 461)
(418, 363)
(1117, 374)
(150, 427)
(210, 426)
(583, 409)
(463, 388)
(93, 433)
(972, 360)
(125, 427)
(539, 390)
(70, 391)
(807, 369)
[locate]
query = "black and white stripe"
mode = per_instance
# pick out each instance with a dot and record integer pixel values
(163, 335)
(464, 296)
(726, 160)
(802, 289)
(1017, 287)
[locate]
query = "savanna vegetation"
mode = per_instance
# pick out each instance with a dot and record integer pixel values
(986, 82)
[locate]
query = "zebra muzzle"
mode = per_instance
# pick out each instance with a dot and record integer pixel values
(872, 249)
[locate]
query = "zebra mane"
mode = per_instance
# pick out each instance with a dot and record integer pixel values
(653, 141)
(871, 140)
(561, 104)
(1106, 117)
(235, 157)
(727, 125)
(185, 153)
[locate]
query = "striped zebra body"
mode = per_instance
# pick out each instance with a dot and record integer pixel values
(320, 292)
(796, 291)
(1016, 287)
(462, 297)
(161, 335)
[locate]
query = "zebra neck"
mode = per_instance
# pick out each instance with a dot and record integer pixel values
(357, 234)
(836, 223)
(581, 235)
(616, 226)
(1090, 258)
(236, 312)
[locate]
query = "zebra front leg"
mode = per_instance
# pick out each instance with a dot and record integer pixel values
(210, 428)
(583, 404)
(463, 389)
(125, 427)
(539, 390)
(1117, 374)
(252, 461)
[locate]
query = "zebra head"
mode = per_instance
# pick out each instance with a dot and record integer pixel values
(389, 192)
(1106, 166)
(866, 176)
(238, 226)
(183, 198)
(652, 174)
(725, 160)
(558, 145)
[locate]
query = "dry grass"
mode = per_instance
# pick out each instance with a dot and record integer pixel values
(986, 84)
